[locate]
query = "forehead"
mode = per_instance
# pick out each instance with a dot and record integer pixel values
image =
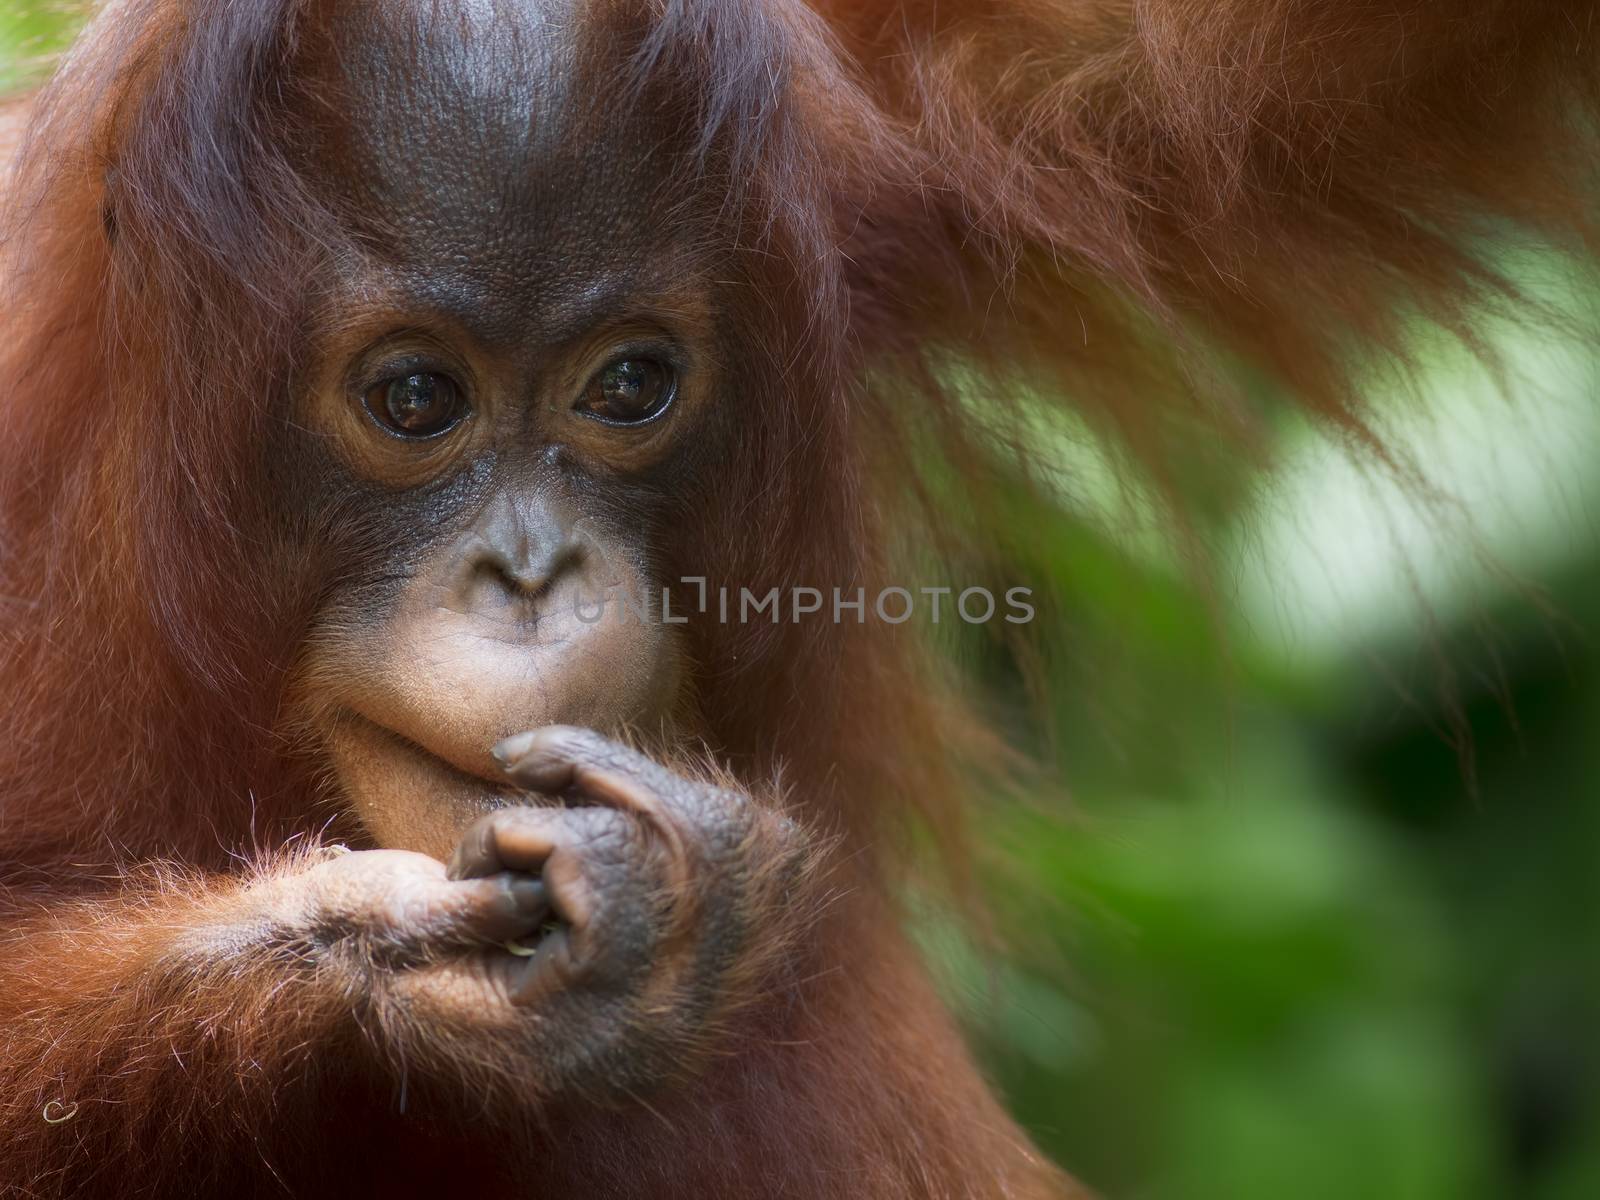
(493, 159)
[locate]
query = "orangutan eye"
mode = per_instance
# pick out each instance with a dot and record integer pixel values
(629, 391)
(423, 405)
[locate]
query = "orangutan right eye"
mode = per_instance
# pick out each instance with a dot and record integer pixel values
(422, 405)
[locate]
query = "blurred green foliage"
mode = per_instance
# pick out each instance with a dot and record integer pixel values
(30, 33)
(1320, 917)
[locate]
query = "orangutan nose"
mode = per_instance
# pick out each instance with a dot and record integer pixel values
(519, 548)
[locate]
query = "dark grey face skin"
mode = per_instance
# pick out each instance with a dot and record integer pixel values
(513, 231)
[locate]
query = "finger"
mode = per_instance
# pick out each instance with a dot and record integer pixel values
(493, 985)
(550, 968)
(518, 839)
(475, 853)
(592, 861)
(352, 889)
(565, 759)
(492, 909)
(501, 907)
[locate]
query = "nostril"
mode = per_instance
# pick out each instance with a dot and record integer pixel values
(531, 570)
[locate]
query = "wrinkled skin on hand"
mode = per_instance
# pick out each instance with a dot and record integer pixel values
(589, 936)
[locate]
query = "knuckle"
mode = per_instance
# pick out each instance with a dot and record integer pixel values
(578, 742)
(513, 821)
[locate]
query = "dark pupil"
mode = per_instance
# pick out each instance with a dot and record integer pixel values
(420, 403)
(630, 389)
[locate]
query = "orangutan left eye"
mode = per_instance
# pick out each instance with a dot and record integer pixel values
(629, 391)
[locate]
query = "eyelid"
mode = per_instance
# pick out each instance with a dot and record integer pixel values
(407, 351)
(589, 414)
(387, 370)
(641, 343)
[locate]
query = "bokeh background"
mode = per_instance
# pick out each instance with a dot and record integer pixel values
(1319, 912)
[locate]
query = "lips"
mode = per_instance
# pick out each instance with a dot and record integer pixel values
(452, 754)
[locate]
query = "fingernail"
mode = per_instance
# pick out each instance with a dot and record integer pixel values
(512, 748)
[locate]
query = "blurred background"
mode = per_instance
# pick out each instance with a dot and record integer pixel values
(1320, 913)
